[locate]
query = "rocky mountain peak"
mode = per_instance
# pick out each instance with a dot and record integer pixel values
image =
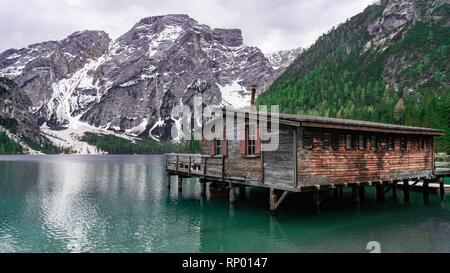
(130, 85)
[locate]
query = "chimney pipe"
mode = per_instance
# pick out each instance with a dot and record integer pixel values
(252, 102)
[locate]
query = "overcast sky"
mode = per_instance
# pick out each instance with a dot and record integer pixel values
(269, 24)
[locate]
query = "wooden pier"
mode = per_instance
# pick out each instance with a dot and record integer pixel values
(197, 166)
(318, 155)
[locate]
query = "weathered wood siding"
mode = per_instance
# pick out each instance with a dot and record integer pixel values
(235, 165)
(279, 166)
(336, 164)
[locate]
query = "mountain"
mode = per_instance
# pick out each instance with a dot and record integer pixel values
(389, 64)
(89, 82)
(16, 113)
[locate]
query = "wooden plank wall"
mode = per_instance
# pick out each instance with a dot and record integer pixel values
(235, 164)
(318, 165)
(279, 166)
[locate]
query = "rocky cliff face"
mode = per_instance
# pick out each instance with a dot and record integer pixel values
(16, 113)
(130, 85)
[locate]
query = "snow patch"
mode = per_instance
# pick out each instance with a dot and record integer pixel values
(235, 94)
(169, 34)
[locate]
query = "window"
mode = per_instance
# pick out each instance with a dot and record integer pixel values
(391, 143)
(373, 143)
(251, 140)
(326, 140)
(219, 147)
(307, 142)
(348, 142)
(421, 143)
(403, 143)
(362, 142)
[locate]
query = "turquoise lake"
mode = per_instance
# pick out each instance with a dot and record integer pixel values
(122, 204)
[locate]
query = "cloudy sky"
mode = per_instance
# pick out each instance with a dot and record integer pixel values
(269, 24)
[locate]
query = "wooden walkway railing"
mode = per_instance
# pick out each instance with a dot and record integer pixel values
(195, 165)
(442, 164)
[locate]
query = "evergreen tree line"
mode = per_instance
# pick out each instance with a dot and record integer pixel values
(117, 145)
(338, 77)
(8, 146)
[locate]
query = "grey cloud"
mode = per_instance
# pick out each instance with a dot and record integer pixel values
(269, 24)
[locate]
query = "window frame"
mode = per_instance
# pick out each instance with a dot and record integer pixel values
(363, 138)
(347, 137)
(403, 143)
(389, 138)
(218, 146)
(373, 142)
(421, 143)
(309, 137)
(250, 144)
(327, 139)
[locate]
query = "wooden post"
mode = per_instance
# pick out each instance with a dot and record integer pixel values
(242, 192)
(406, 190)
(203, 188)
(341, 194)
(335, 194)
(316, 199)
(442, 188)
(180, 184)
(168, 181)
(362, 193)
(394, 191)
(355, 193)
(189, 167)
(425, 189)
(273, 200)
(380, 192)
(232, 193)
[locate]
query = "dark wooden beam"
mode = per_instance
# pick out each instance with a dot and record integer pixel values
(203, 188)
(394, 191)
(316, 199)
(232, 193)
(355, 193)
(180, 183)
(425, 189)
(242, 192)
(442, 188)
(273, 200)
(362, 193)
(406, 190)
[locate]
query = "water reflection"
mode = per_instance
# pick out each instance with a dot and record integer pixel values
(122, 204)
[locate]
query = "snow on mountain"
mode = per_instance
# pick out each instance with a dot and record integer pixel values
(130, 85)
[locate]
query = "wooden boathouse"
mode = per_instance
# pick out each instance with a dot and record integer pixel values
(317, 154)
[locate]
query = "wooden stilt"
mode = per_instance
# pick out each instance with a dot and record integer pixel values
(394, 191)
(273, 200)
(355, 193)
(426, 197)
(362, 193)
(316, 199)
(335, 194)
(203, 187)
(341, 194)
(442, 189)
(180, 184)
(242, 192)
(380, 192)
(232, 193)
(168, 181)
(406, 190)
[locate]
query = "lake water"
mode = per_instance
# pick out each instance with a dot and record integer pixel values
(122, 204)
